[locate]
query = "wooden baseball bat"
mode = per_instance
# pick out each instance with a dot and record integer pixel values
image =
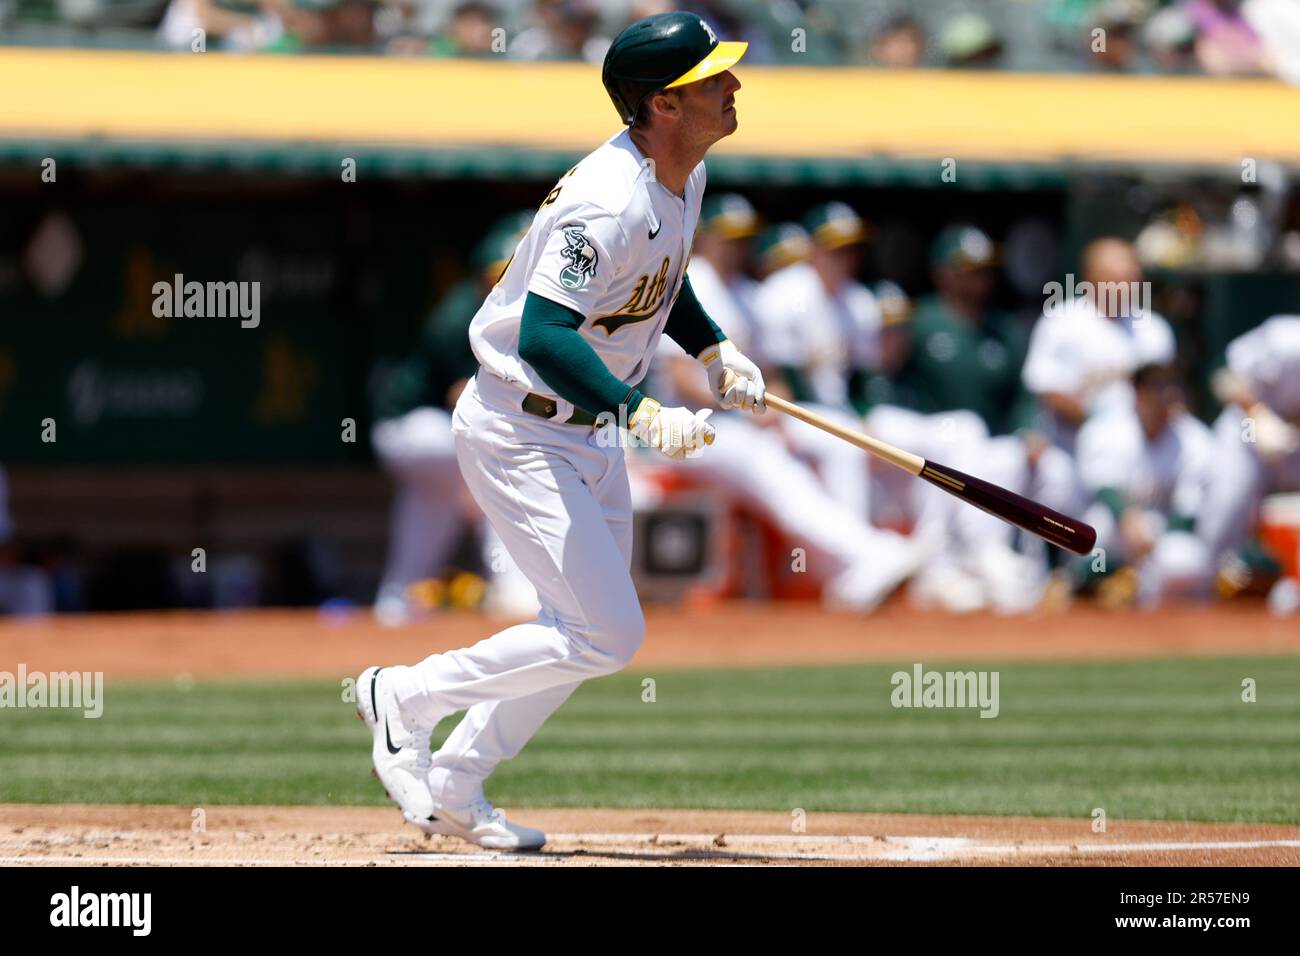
(1050, 525)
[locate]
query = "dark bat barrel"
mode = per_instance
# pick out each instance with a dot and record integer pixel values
(1061, 530)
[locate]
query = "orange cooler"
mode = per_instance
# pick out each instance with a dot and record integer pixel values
(1279, 529)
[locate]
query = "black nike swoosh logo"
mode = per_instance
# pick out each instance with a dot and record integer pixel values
(374, 705)
(655, 231)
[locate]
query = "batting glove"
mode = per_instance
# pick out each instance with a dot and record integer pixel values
(746, 390)
(677, 432)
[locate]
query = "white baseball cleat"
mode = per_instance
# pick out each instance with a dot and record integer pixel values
(484, 825)
(400, 748)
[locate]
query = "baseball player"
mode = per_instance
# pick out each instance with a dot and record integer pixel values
(1085, 349)
(413, 441)
(779, 246)
(820, 328)
(858, 564)
(974, 565)
(967, 354)
(1147, 470)
(561, 340)
(1257, 435)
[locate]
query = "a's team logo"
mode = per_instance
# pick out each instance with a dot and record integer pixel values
(581, 255)
(713, 37)
(643, 303)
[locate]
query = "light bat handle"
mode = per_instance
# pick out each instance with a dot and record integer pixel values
(913, 464)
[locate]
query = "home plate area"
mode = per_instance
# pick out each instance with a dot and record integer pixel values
(104, 835)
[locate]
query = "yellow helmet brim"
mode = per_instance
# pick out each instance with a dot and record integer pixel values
(722, 57)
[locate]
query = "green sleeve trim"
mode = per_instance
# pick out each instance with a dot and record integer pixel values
(550, 343)
(689, 325)
(1113, 499)
(1181, 523)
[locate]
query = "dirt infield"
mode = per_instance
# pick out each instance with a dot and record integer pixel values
(311, 644)
(355, 836)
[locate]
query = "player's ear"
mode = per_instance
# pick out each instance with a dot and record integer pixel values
(667, 103)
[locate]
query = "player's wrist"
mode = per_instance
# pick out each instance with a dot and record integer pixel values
(715, 352)
(644, 412)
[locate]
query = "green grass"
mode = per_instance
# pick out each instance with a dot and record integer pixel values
(1168, 739)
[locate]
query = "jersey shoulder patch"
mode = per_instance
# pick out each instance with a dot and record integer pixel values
(580, 256)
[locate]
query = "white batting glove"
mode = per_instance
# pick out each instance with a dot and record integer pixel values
(746, 390)
(677, 432)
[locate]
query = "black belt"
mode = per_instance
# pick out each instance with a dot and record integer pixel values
(544, 407)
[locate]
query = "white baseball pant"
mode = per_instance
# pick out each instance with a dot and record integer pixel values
(558, 497)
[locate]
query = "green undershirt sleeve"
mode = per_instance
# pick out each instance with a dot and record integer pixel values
(550, 343)
(689, 325)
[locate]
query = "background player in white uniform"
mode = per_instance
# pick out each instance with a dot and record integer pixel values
(1084, 350)
(858, 564)
(974, 565)
(1257, 436)
(1147, 470)
(820, 328)
(562, 339)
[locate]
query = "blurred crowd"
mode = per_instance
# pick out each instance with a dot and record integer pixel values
(1079, 403)
(1221, 37)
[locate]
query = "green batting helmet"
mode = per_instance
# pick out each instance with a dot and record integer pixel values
(659, 53)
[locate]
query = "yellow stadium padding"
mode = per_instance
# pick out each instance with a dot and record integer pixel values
(784, 111)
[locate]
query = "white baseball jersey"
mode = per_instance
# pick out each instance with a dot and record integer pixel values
(825, 336)
(609, 242)
(1077, 350)
(1169, 475)
(1268, 359)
